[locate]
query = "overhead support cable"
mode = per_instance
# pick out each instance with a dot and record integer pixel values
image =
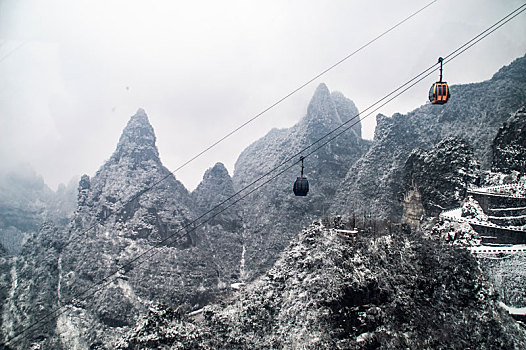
(171, 173)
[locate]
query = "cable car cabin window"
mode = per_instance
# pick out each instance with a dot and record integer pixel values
(432, 93)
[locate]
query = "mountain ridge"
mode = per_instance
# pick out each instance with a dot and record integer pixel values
(243, 244)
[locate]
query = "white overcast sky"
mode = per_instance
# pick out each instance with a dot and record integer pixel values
(73, 72)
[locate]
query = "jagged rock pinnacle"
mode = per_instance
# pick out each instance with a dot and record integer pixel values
(217, 171)
(216, 184)
(137, 140)
(321, 106)
(216, 187)
(328, 110)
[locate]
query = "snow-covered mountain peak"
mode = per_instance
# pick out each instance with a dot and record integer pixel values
(137, 139)
(141, 112)
(328, 110)
(321, 109)
(135, 166)
(217, 186)
(217, 171)
(516, 71)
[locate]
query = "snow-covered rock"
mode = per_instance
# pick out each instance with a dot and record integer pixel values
(441, 174)
(391, 291)
(217, 186)
(26, 202)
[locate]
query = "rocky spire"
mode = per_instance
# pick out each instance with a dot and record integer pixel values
(321, 110)
(216, 187)
(137, 140)
(134, 167)
(327, 111)
(268, 214)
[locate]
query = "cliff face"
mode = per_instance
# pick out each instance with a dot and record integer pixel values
(217, 186)
(273, 215)
(31, 290)
(491, 219)
(509, 146)
(26, 202)
(442, 174)
(474, 113)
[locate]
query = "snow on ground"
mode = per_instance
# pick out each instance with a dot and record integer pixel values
(10, 311)
(238, 285)
(454, 214)
(69, 328)
(514, 310)
(510, 249)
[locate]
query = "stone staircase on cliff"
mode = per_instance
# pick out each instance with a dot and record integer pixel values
(503, 220)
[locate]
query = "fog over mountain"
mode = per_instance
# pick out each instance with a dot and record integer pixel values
(72, 72)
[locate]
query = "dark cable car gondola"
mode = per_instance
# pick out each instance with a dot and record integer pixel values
(301, 185)
(439, 93)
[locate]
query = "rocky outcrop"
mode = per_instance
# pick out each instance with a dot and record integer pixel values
(217, 186)
(414, 211)
(442, 174)
(32, 292)
(26, 202)
(112, 196)
(507, 275)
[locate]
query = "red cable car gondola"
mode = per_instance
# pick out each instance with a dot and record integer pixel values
(439, 93)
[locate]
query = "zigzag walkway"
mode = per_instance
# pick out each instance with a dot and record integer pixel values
(455, 215)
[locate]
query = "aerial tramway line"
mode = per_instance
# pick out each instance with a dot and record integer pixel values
(438, 94)
(133, 263)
